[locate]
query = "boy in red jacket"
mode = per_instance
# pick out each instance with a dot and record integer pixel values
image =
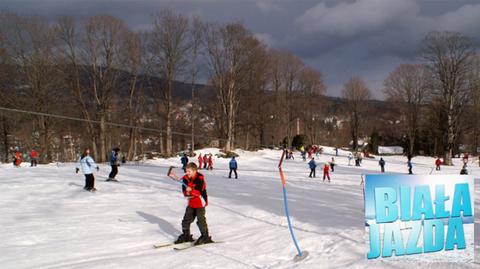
(326, 168)
(438, 162)
(210, 162)
(195, 189)
(200, 160)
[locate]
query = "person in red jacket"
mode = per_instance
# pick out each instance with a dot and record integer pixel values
(33, 158)
(17, 159)
(438, 162)
(326, 174)
(200, 160)
(195, 189)
(210, 162)
(205, 161)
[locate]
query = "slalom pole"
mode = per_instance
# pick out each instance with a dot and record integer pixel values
(301, 255)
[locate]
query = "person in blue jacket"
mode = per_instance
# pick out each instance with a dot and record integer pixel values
(114, 164)
(313, 167)
(382, 165)
(184, 161)
(410, 166)
(233, 168)
(87, 164)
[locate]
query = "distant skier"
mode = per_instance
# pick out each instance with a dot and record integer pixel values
(124, 159)
(304, 155)
(438, 162)
(313, 166)
(382, 165)
(194, 188)
(233, 167)
(210, 162)
(291, 155)
(184, 161)
(464, 170)
(332, 164)
(350, 157)
(17, 160)
(200, 161)
(205, 160)
(465, 158)
(326, 174)
(33, 158)
(86, 163)
(410, 166)
(114, 165)
(336, 152)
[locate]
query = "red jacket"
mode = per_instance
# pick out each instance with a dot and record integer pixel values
(198, 195)
(438, 162)
(34, 154)
(210, 161)
(200, 160)
(326, 168)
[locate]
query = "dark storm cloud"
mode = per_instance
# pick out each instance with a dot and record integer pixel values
(340, 38)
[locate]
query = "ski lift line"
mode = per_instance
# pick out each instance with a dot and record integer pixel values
(107, 123)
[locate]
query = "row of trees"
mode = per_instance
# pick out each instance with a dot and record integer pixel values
(100, 70)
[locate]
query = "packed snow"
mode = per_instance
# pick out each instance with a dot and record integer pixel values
(49, 221)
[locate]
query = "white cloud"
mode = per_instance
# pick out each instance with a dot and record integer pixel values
(266, 38)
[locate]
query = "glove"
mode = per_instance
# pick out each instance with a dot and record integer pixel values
(98, 168)
(76, 170)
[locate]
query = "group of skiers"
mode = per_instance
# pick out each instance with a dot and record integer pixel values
(206, 160)
(326, 168)
(17, 158)
(86, 165)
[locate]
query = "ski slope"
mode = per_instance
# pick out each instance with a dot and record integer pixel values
(48, 220)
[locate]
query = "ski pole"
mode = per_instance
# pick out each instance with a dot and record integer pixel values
(174, 177)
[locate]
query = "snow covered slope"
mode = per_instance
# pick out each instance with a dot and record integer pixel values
(48, 220)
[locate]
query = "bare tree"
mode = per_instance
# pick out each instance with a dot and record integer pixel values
(169, 46)
(448, 56)
(356, 94)
(407, 86)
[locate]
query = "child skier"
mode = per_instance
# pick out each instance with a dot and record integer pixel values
(438, 162)
(233, 167)
(210, 162)
(326, 174)
(382, 165)
(200, 161)
(410, 166)
(33, 158)
(195, 189)
(17, 159)
(114, 165)
(184, 161)
(313, 167)
(86, 163)
(332, 165)
(205, 160)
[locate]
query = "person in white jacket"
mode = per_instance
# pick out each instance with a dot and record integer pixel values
(87, 164)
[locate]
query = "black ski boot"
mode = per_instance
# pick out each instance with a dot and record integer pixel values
(204, 239)
(184, 238)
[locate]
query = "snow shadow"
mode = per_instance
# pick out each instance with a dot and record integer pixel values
(164, 225)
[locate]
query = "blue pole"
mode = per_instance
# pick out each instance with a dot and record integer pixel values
(289, 222)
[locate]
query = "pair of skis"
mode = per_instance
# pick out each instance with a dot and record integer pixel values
(181, 246)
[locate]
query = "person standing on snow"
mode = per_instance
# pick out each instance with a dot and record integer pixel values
(33, 158)
(17, 160)
(382, 165)
(114, 165)
(210, 162)
(86, 164)
(205, 160)
(350, 157)
(200, 161)
(233, 167)
(326, 174)
(184, 161)
(410, 166)
(332, 165)
(195, 188)
(438, 162)
(313, 166)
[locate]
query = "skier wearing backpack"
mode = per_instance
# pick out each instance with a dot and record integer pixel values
(195, 189)
(114, 165)
(313, 166)
(86, 163)
(233, 167)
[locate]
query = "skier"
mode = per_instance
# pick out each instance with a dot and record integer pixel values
(210, 162)
(124, 159)
(326, 174)
(86, 163)
(382, 164)
(332, 165)
(184, 161)
(33, 158)
(410, 166)
(313, 167)
(233, 167)
(465, 158)
(200, 161)
(205, 160)
(17, 159)
(114, 164)
(291, 155)
(304, 155)
(438, 162)
(464, 170)
(350, 157)
(357, 159)
(336, 153)
(195, 189)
